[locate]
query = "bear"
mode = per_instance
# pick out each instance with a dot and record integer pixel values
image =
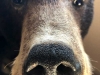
(44, 37)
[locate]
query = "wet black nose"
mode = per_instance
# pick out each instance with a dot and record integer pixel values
(51, 59)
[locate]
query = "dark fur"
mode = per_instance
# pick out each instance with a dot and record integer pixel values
(11, 26)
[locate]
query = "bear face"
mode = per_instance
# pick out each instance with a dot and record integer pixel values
(51, 26)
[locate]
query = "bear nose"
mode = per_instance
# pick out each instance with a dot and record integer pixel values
(51, 59)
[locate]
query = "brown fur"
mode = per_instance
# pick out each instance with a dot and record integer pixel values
(52, 21)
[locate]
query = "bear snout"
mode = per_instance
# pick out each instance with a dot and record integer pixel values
(54, 58)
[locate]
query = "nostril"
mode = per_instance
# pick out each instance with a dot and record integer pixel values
(64, 70)
(38, 70)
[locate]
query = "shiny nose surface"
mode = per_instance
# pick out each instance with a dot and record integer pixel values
(51, 59)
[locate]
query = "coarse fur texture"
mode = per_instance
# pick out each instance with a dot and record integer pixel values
(45, 23)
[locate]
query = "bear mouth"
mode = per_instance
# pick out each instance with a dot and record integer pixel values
(61, 69)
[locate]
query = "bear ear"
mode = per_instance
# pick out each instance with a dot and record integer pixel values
(78, 3)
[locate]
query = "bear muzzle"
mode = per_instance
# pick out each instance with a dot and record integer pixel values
(51, 59)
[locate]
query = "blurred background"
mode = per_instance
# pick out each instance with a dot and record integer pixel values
(92, 40)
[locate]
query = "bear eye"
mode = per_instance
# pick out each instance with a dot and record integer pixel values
(18, 1)
(78, 3)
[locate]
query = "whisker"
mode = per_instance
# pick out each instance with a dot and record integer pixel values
(94, 61)
(96, 69)
(8, 65)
